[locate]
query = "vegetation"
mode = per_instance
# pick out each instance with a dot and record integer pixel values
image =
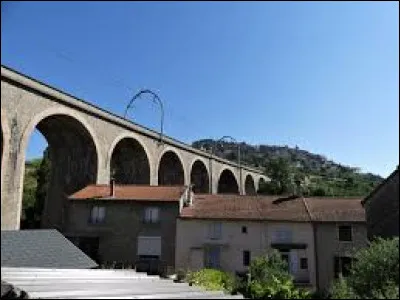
(269, 279)
(211, 279)
(37, 176)
(374, 274)
(296, 171)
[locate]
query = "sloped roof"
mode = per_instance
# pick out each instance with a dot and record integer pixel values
(41, 248)
(335, 209)
(130, 192)
(222, 206)
(274, 208)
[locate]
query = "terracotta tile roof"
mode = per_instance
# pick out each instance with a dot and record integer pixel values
(335, 209)
(232, 207)
(245, 208)
(130, 192)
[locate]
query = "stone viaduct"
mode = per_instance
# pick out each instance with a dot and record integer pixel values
(87, 143)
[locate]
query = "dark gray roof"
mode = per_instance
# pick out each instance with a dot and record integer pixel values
(41, 249)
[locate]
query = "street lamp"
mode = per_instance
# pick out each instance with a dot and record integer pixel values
(239, 159)
(156, 100)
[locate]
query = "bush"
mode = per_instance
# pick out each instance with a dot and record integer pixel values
(341, 290)
(374, 275)
(269, 279)
(180, 275)
(211, 279)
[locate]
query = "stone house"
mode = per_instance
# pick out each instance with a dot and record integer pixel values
(317, 237)
(382, 208)
(339, 229)
(127, 224)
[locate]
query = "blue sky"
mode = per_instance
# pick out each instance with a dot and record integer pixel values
(320, 75)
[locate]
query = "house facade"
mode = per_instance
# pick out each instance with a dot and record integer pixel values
(339, 230)
(131, 225)
(312, 235)
(382, 208)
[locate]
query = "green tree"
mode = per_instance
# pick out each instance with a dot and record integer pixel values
(37, 175)
(43, 180)
(29, 189)
(318, 192)
(269, 279)
(374, 274)
(281, 173)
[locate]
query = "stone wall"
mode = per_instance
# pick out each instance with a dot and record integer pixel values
(123, 224)
(328, 246)
(382, 208)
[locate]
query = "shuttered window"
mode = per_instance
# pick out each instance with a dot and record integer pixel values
(97, 215)
(151, 215)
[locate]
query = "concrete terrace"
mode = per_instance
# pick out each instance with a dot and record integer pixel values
(101, 284)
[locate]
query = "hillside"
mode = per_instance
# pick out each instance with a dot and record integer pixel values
(319, 176)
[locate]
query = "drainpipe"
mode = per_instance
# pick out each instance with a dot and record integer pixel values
(211, 170)
(315, 241)
(315, 254)
(112, 188)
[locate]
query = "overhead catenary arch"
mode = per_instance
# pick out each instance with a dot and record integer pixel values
(227, 183)
(170, 169)
(249, 186)
(199, 177)
(129, 161)
(74, 155)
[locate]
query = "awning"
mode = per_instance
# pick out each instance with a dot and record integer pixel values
(288, 246)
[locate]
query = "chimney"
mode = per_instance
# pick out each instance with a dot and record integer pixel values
(112, 187)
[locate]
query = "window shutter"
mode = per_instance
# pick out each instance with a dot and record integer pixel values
(210, 230)
(101, 213)
(155, 215)
(147, 215)
(218, 230)
(93, 214)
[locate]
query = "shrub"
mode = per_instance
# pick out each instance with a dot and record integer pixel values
(375, 272)
(180, 275)
(341, 290)
(374, 275)
(211, 279)
(269, 279)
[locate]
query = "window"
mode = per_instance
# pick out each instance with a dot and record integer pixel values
(215, 231)
(97, 215)
(345, 233)
(244, 229)
(283, 235)
(342, 265)
(213, 255)
(246, 258)
(303, 263)
(151, 215)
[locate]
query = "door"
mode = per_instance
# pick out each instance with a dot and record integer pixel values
(149, 254)
(196, 259)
